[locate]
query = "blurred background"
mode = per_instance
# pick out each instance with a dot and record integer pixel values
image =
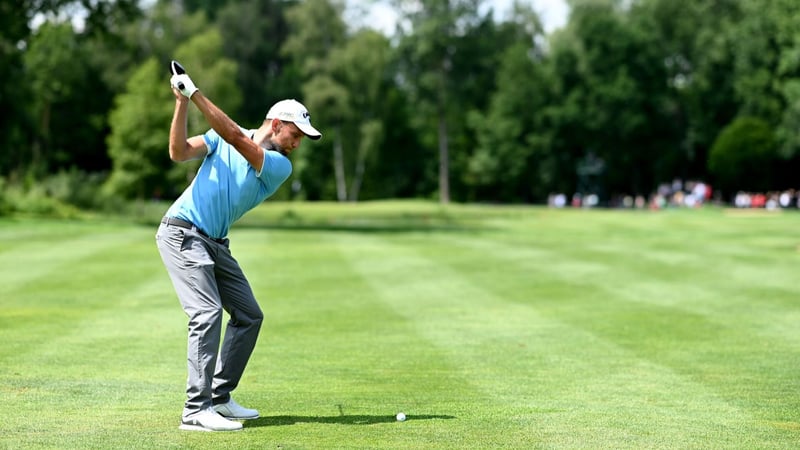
(636, 103)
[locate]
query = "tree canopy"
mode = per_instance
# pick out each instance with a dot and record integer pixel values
(455, 104)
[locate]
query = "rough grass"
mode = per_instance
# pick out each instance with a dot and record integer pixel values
(490, 327)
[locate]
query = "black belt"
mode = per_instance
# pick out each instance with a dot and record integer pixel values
(189, 226)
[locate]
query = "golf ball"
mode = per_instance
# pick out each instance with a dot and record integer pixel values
(401, 417)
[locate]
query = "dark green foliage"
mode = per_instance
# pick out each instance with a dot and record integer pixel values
(140, 135)
(456, 103)
(744, 156)
(138, 143)
(253, 32)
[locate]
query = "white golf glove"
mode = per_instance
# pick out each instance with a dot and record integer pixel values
(184, 84)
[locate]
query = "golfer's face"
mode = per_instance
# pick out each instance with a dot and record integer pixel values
(288, 137)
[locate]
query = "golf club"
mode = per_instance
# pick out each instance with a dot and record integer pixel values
(175, 68)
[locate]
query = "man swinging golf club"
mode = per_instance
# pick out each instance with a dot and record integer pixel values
(240, 169)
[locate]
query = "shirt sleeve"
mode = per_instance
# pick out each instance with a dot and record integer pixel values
(212, 140)
(276, 169)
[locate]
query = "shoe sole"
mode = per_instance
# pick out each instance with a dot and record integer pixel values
(238, 418)
(187, 427)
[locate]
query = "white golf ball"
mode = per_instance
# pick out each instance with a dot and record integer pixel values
(401, 417)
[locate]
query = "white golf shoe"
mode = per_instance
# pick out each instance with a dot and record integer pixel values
(208, 420)
(233, 410)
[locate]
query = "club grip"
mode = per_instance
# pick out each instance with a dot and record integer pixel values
(176, 68)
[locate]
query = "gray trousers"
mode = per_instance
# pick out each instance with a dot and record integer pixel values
(209, 280)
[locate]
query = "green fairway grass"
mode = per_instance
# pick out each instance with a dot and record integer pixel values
(488, 326)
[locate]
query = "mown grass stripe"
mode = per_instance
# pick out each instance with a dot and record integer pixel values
(332, 351)
(692, 327)
(64, 255)
(421, 298)
(490, 327)
(626, 264)
(103, 374)
(95, 272)
(461, 316)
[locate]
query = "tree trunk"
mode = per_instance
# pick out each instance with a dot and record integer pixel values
(355, 186)
(444, 152)
(338, 166)
(444, 162)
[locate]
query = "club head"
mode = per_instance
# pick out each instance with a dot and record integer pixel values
(176, 68)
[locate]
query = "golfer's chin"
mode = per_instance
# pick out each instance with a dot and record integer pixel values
(271, 146)
(280, 149)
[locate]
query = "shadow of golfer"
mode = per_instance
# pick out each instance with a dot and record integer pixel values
(276, 421)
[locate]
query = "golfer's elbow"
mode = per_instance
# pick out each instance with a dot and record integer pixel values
(181, 152)
(177, 153)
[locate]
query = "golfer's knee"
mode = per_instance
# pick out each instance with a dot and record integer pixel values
(248, 318)
(202, 321)
(257, 318)
(209, 315)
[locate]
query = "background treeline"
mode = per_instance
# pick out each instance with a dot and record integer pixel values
(456, 104)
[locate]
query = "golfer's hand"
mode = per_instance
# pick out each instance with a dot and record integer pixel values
(179, 97)
(184, 84)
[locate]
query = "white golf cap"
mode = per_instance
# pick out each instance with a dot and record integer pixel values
(294, 111)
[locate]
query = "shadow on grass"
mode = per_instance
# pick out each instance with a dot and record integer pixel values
(277, 421)
(355, 227)
(359, 219)
(350, 226)
(399, 222)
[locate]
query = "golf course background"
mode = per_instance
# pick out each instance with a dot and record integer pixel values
(489, 326)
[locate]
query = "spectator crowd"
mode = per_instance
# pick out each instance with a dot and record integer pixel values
(679, 194)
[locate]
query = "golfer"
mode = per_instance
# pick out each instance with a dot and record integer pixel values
(240, 169)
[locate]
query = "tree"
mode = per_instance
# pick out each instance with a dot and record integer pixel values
(142, 114)
(139, 136)
(45, 75)
(361, 64)
(694, 40)
(768, 67)
(253, 32)
(54, 64)
(316, 30)
(429, 42)
(612, 100)
(511, 161)
(15, 126)
(209, 8)
(330, 100)
(743, 156)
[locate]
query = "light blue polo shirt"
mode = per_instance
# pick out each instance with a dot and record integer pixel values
(226, 186)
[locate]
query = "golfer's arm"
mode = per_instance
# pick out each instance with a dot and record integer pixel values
(229, 131)
(181, 148)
